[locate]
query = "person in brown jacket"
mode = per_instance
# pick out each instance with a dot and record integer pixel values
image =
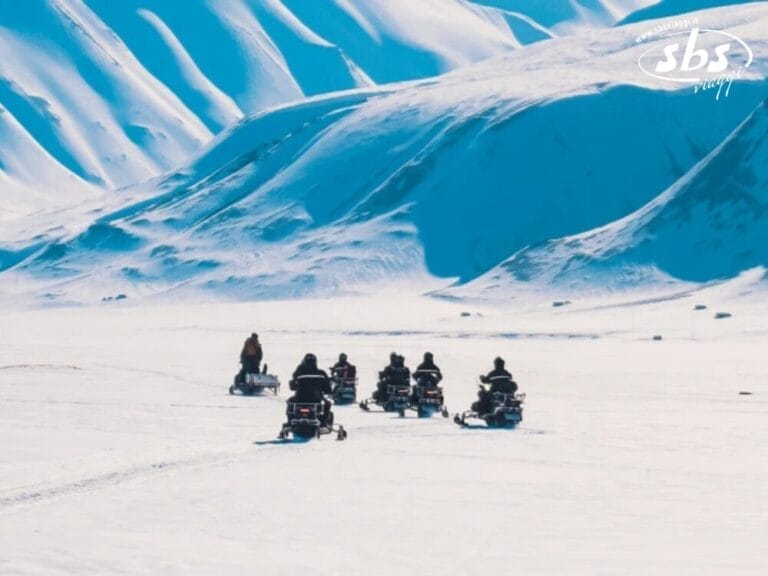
(251, 355)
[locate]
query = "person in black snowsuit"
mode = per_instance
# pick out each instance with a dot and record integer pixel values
(397, 373)
(250, 356)
(381, 387)
(427, 374)
(343, 370)
(500, 381)
(310, 385)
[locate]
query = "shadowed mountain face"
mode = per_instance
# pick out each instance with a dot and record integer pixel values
(711, 224)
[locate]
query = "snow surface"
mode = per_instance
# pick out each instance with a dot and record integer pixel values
(122, 453)
(446, 177)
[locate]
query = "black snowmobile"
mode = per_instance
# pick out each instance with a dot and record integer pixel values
(427, 397)
(398, 399)
(308, 420)
(252, 383)
(506, 411)
(344, 389)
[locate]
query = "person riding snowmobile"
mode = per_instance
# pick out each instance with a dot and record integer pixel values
(428, 372)
(392, 361)
(311, 384)
(381, 387)
(250, 356)
(397, 373)
(500, 381)
(343, 369)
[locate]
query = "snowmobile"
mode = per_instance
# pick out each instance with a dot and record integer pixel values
(344, 390)
(427, 397)
(305, 421)
(506, 412)
(250, 384)
(398, 399)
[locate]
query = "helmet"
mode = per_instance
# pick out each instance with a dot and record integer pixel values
(498, 362)
(310, 360)
(342, 357)
(400, 360)
(254, 335)
(428, 357)
(392, 357)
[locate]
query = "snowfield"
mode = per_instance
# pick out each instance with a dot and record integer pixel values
(122, 453)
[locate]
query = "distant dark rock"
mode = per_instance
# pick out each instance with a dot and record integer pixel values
(657, 337)
(466, 314)
(700, 307)
(722, 315)
(559, 303)
(745, 393)
(114, 298)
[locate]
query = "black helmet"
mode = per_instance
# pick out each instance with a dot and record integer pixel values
(428, 357)
(310, 360)
(392, 357)
(342, 357)
(498, 362)
(254, 335)
(400, 360)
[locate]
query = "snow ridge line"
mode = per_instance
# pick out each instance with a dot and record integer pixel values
(110, 479)
(45, 366)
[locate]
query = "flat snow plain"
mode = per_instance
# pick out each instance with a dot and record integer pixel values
(122, 453)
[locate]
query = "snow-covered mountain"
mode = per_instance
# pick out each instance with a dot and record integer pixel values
(447, 177)
(97, 94)
(711, 224)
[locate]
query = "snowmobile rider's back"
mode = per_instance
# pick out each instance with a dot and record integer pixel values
(309, 382)
(499, 379)
(428, 373)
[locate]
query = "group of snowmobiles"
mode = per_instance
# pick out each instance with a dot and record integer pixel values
(309, 411)
(395, 394)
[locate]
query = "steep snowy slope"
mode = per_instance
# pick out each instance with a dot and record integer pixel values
(74, 91)
(667, 8)
(448, 176)
(712, 224)
(118, 92)
(564, 15)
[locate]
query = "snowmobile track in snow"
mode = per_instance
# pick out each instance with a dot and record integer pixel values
(96, 482)
(40, 367)
(115, 478)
